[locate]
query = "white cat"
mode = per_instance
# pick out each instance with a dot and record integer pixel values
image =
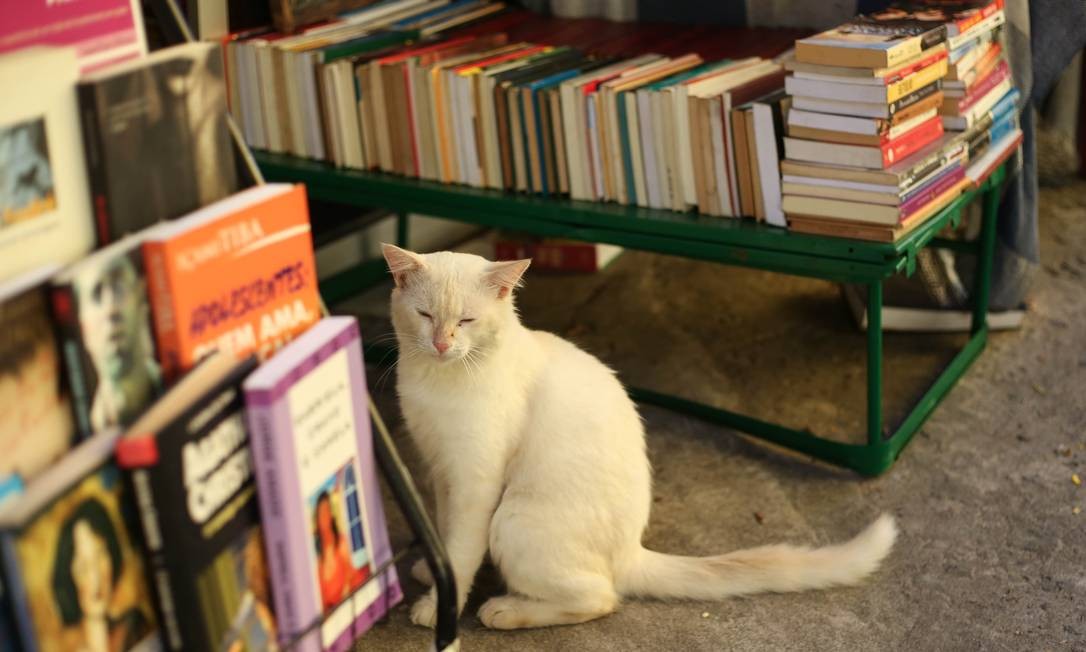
(538, 455)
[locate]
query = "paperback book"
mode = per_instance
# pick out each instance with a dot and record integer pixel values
(45, 209)
(36, 420)
(188, 464)
(103, 318)
(160, 119)
(238, 275)
(73, 576)
(317, 484)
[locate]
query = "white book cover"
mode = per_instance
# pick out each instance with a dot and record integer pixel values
(659, 197)
(979, 109)
(861, 109)
(594, 147)
(716, 127)
(45, 208)
(266, 85)
(769, 169)
(640, 146)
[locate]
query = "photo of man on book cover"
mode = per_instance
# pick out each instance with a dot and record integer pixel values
(115, 321)
(84, 577)
(26, 173)
(36, 425)
(166, 126)
(339, 537)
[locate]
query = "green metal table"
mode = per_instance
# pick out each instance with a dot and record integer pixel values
(730, 241)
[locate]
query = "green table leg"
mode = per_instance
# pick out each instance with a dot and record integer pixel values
(401, 230)
(874, 363)
(985, 254)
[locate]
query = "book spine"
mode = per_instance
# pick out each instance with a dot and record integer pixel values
(917, 80)
(161, 296)
(140, 484)
(901, 73)
(911, 141)
(67, 323)
(269, 454)
(16, 599)
(914, 97)
(96, 166)
(983, 87)
(934, 189)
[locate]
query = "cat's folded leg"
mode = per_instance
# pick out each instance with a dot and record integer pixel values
(470, 506)
(588, 597)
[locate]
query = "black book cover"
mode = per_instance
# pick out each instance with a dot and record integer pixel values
(104, 321)
(157, 141)
(198, 507)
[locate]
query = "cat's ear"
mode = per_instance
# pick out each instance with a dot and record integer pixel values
(505, 276)
(401, 262)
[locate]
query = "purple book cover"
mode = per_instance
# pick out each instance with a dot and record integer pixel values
(324, 526)
(921, 196)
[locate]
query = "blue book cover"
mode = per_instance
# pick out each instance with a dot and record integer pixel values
(536, 87)
(1006, 105)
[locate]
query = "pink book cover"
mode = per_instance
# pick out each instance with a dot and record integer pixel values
(102, 32)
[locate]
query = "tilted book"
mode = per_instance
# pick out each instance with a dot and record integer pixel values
(72, 574)
(36, 417)
(189, 465)
(104, 321)
(319, 497)
(878, 40)
(156, 138)
(45, 210)
(237, 275)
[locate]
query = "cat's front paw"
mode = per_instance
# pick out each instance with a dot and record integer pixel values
(420, 570)
(424, 611)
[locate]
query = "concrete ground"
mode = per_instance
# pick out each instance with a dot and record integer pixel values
(991, 554)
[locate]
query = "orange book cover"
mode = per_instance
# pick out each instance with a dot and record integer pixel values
(238, 275)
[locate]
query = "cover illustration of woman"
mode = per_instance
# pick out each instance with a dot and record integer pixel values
(86, 570)
(336, 575)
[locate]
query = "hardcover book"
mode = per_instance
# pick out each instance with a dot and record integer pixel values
(35, 413)
(319, 497)
(162, 120)
(189, 466)
(104, 321)
(237, 275)
(45, 211)
(72, 573)
(102, 32)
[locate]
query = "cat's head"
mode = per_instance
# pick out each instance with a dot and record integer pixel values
(447, 306)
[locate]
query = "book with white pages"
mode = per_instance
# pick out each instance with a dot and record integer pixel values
(767, 125)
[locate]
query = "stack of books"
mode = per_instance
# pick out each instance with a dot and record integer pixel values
(894, 115)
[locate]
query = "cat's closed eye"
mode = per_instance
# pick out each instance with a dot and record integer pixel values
(466, 320)
(425, 314)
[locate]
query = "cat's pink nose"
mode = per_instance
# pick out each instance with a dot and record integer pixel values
(441, 347)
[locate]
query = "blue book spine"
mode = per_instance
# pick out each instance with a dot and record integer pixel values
(999, 130)
(1006, 105)
(624, 143)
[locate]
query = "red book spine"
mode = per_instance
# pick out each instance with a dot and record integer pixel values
(981, 88)
(911, 141)
(963, 24)
(983, 66)
(554, 256)
(162, 311)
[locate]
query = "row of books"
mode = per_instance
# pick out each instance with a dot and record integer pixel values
(893, 115)
(187, 459)
(476, 106)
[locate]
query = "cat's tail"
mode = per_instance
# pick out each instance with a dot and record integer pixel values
(773, 568)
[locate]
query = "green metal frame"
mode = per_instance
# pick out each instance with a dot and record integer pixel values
(734, 242)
